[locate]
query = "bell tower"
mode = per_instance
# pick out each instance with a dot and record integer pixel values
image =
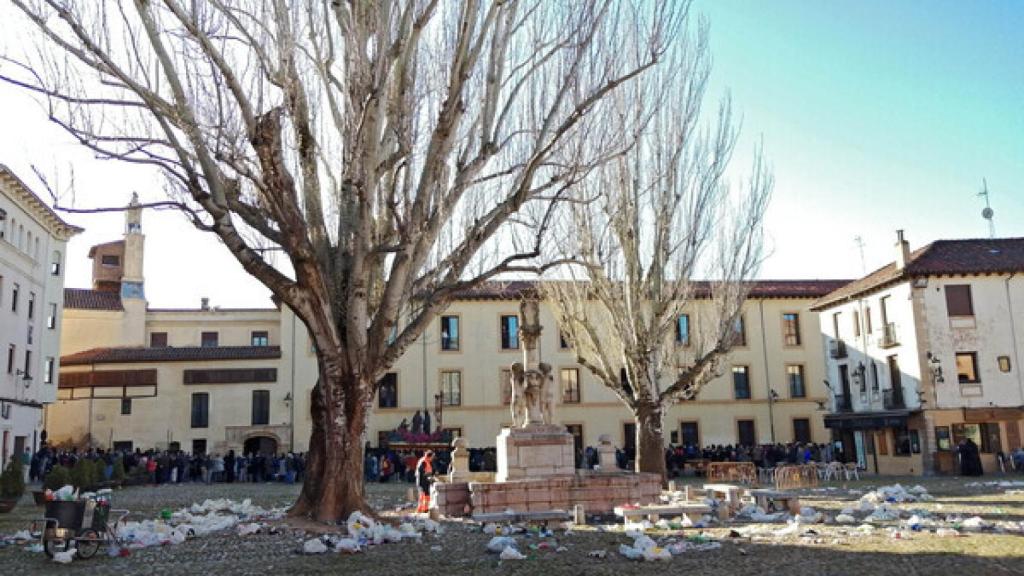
(132, 281)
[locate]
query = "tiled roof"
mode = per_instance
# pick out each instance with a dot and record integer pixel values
(942, 257)
(170, 354)
(85, 299)
(515, 289)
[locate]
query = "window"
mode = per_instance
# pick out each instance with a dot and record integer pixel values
(867, 319)
(967, 367)
(158, 340)
(791, 329)
(387, 391)
(795, 377)
(449, 332)
(883, 304)
(942, 438)
(451, 388)
(55, 264)
(801, 430)
(200, 410)
(740, 332)
(28, 364)
(51, 316)
(570, 378)
(509, 332)
(741, 382)
(209, 339)
(1004, 363)
(260, 338)
(690, 432)
(10, 359)
(835, 325)
(563, 340)
(198, 446)
(901, 442)
(14, 298)
(30, 332)
(990, 441)
(110, 260)
(683, 330)
(874, 376)
(958, 300)
(31, 305)
(856, 323)
(126, 406)
(505, 385)
(260, 407)
(746, 434)
(963, 431)
(48, 370)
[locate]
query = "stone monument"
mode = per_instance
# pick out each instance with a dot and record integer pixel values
(534, 447)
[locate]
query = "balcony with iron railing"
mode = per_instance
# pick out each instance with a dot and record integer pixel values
(892, 399)
(888, 338)
(844, 403)
(837, 349)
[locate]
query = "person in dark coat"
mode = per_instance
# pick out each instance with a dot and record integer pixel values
(424, 470)
(970, 459)
(229, 466)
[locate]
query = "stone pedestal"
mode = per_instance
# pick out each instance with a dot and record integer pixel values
(606, 454)
(537, 451)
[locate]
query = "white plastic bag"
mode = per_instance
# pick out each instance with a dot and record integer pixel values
(314, 546)
(510, 553)
(499, 543)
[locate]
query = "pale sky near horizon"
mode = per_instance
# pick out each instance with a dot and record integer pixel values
(875, 116)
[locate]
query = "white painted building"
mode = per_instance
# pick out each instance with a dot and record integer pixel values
(32, 248)
(926, 351)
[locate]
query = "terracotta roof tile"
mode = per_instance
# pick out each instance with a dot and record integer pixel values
(170, 354)
(85, 299)
(515, 289)
(942, 257)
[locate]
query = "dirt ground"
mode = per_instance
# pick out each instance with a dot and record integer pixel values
(823, 548)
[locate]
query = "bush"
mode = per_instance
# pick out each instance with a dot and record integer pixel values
(118, 475)
(58, 478)
(83, 475)
(12, 481)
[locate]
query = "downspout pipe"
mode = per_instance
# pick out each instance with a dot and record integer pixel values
(767, 374)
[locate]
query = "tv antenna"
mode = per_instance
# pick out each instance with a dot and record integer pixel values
(860, 246)
(987, 213)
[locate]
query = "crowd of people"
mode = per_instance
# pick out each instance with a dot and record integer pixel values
(175, 466)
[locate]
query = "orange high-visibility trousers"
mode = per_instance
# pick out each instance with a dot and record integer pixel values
(424, 503)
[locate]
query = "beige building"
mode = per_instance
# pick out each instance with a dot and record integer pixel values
(217, 379)
(925, 352)
(32, 248)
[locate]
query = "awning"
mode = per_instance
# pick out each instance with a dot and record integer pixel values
(867, 420)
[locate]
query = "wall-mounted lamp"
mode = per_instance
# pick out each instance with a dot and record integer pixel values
(288, 399)
(26, 378)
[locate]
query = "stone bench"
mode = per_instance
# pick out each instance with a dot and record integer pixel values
(544, 516)
(692, 511)
(776, 501)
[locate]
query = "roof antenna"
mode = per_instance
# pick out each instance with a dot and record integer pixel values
(987, 213)
(860, 246)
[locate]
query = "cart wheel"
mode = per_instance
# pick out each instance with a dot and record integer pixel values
(88, 543)
(54, 545)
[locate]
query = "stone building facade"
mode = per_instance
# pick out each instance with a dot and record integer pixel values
(32, 248)
(926, 351)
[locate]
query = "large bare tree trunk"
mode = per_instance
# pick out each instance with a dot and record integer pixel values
(650, 439)
(333, 487)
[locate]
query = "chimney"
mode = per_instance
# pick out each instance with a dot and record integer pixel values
(902, 251)
(204, 304)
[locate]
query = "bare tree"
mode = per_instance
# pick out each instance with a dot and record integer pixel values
(394, 151)
(643, 230)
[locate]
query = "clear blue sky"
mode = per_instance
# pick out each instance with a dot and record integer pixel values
(876, 116)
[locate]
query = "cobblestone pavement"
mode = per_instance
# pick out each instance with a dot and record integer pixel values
(462, 547)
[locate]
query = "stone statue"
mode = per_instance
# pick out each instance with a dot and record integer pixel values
(426, 421)
(404, 426)
(532, 382)
(417, 423)
(518, 402)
